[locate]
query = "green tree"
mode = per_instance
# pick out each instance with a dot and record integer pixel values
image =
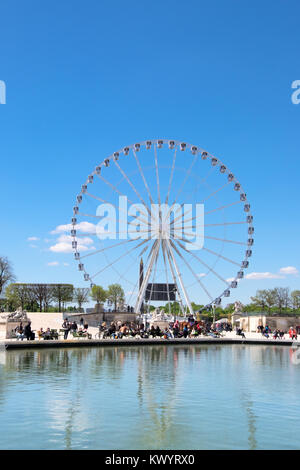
(6, 273)
(62, 294)
(98, 294)
(115, 295)
(81, 295)
(17, 295)
(295, 298)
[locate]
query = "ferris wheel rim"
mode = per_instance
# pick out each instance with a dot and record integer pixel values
(195, 150)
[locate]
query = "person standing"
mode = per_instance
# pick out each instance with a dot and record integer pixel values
(66, 328)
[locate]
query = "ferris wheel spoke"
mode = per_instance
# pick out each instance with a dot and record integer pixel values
(120, 257)
(215, 192)
(115, 206)
(192, 271)
(143, 176)
(171, 175)
(180, 277)
(108, 183)
(166, 274)
(165, 248)
(210, 225)
(157, 177)
(153, 278)
(132, 186)
(202, 262)
(221, 256)
(184, 181)
(212, 238)
(108, 247)
(154, 251)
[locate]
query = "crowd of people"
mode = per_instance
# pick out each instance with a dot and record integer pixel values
(186, 329)
(175, 329)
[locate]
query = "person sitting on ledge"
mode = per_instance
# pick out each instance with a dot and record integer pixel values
(20, 332)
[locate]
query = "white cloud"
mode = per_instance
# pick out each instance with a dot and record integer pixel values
(33, 246)
(65, 247)
(289, 270)
(53, 263)
(32, 239)
(265, 275)
(66, 264)
(201, 274)
(86, 227)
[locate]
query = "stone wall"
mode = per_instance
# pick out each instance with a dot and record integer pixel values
(93, 319)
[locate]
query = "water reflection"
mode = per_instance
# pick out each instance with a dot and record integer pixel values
(197, 396)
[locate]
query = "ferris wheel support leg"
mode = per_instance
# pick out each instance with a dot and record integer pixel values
(174, 278)
(146, 279)
(180, 280)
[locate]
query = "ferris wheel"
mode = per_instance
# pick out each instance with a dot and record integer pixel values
(168, 221)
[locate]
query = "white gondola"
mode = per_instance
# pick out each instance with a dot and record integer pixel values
(84, 188)
(74, 244)
(86, 277)
(234, 284)
(249, 219)
(106, 162)
(90, 178)
(98, 170)
(80, 267)
(237, 187)
(250, 230)
(248, 253)
(250, 241)
(204, 155)
(222, 168)
(126, 150)
(116, 156)
(75, 209)
(171, 144)
(182, 146)
(214, 161)
(160, 143)
(92, 285)
(73, 232)
(240, 275)
(137, 147)
(243, 197)
(247, 207)
(148, 144)
(227, 293)
(230, 177)
(218, 301)
(245, 264)
(194, 150)
(79, 198)
(77, 255)
(73, 220)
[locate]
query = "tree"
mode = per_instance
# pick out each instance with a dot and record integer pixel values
(6, 273)
(295, 298)
(98, 294)
(259, 299)
(81, 295)
(282, 297)
(62, 293)
(17, 295)
(115, 295)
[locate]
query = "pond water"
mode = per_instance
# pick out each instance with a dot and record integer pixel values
(150, 397)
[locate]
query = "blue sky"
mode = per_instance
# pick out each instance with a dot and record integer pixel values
(86, 78)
